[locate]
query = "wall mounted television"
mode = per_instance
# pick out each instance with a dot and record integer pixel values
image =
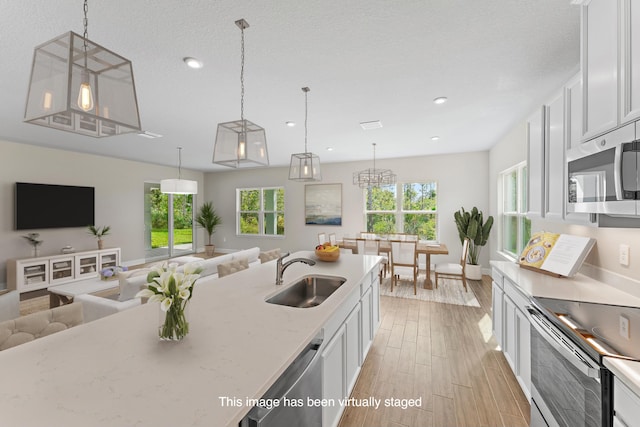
(53, 206)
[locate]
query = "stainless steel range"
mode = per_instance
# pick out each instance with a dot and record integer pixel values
(570, 385)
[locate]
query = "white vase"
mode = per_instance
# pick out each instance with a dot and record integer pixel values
(473, 272)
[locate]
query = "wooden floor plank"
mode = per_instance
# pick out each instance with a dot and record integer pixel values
(444, 355)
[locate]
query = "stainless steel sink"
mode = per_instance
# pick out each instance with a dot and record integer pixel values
(310, 291)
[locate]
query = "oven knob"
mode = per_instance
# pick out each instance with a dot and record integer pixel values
(603, 142)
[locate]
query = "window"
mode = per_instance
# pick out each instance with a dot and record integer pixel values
(260, 211)
(515, 226)
(403, 208)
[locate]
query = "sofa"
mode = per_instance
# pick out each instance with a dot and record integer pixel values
(132, 281)
(36, 325)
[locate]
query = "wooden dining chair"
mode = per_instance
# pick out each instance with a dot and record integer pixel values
(404, 263)
(372, 247)
(350, 243)
(322, 238)
(368, 235)
(453, 270)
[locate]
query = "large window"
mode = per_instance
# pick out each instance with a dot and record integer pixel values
(260, 211)
(515, 226)
(403, 208)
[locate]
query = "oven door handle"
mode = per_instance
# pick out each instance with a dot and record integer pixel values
(568, 353)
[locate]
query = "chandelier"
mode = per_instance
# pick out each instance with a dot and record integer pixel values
(79, 86)
(241, 143)
(179, 186)
(373, 177)
(305, 166)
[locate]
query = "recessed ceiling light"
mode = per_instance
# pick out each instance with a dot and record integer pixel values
(290, 124)
(440, 100)
(192, 62)
(435, 138)
(376, 124)
(329, 148)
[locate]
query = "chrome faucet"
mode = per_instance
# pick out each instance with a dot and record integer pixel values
(280, 267)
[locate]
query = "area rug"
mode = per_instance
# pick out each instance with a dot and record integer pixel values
(448, 292)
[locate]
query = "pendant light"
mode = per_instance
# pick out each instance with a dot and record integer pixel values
(79, 86)
(179, 186)
(305, 166)
(373, 177)
(241, 143)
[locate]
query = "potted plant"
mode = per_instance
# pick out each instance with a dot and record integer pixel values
(208, 219)
(470, 224)
(99, 232)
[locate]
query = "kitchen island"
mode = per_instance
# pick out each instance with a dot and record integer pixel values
(115, 371)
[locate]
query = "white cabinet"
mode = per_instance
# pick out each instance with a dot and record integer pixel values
(32, 274)
(629, 60)
(600, 66)
(535, 164)
(573, 103)
(353, 332)
(333, 377)
(626, 405)
(509, 335)
(497, 315)
(512, 328)
(349, 334)
(62, 270)
(366, 314)
(554, 153)
(86, 265)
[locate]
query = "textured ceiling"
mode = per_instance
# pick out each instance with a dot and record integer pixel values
(363, 60)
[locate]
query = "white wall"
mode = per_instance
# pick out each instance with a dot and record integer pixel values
(461, 182)
(119, 198)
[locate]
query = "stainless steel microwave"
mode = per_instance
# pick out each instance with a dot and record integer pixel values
(604, 174)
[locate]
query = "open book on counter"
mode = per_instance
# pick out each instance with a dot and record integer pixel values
(555, 254)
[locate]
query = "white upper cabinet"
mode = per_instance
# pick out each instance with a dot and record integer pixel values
(573, 102)
(535, 164)
(600, 66)
(555, 158)
(629, 60)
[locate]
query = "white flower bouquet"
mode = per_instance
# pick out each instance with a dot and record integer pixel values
(172, 289)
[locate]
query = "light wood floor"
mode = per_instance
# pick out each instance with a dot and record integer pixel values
(445, 354)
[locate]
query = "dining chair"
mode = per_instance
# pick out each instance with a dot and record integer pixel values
(372, 247)
(453, 270)
(404, 263)
(350, 243)
(368, 235)
(322, 238)
(332, 239)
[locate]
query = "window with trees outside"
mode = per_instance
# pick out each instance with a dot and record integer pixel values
(515, 226)
(260, 211)
(403, 208)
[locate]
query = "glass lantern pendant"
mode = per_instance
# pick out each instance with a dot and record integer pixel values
(79, 86)
(241, 143)
(305, 166)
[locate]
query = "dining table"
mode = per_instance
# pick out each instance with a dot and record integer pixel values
(422, 248)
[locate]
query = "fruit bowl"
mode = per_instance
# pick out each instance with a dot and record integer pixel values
(330, 255)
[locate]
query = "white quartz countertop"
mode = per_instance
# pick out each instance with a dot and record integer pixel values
(116, 372)
(577, 288)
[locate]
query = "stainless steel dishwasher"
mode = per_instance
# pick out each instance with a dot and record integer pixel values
(301, 380)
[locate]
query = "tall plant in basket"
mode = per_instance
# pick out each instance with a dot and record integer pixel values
(471, 224)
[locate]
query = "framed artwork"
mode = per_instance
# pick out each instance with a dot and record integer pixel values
(323, 204)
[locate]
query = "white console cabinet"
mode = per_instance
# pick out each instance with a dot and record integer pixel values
(32, 274)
